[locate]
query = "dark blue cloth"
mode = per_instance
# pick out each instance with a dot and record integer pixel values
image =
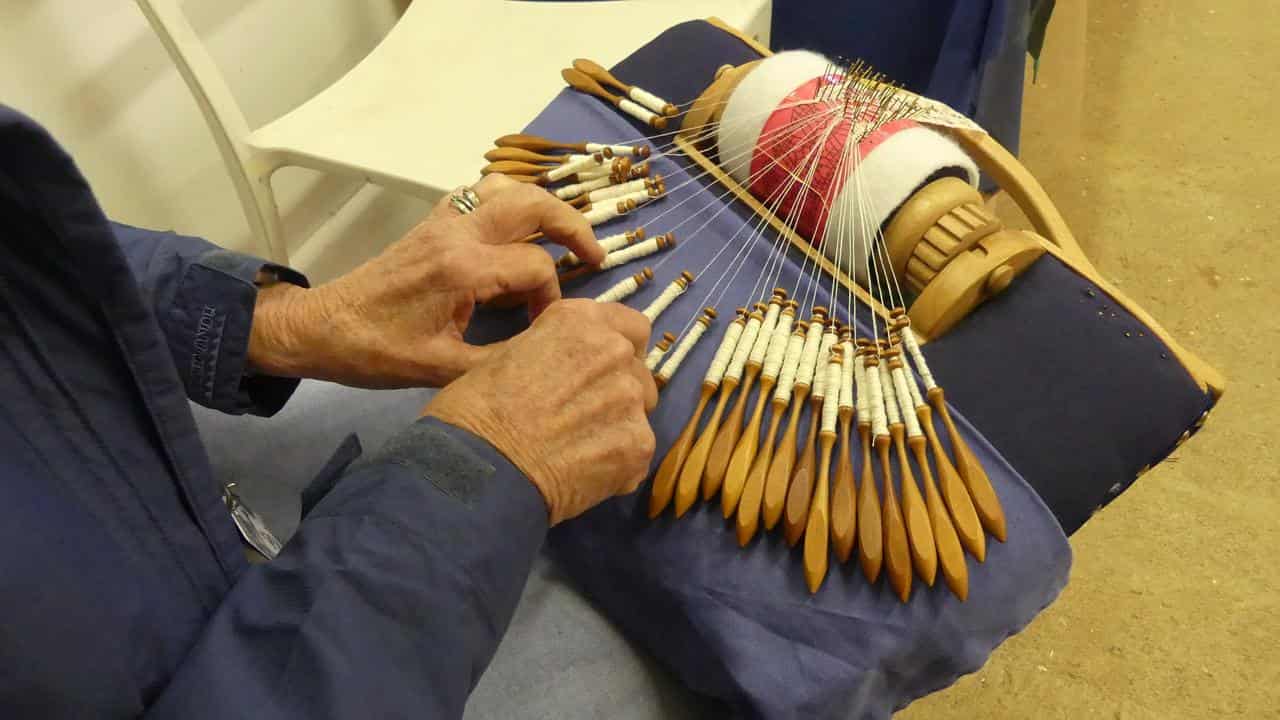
(123, 584)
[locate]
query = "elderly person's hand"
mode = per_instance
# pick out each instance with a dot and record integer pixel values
(565, 401)
(398, 320)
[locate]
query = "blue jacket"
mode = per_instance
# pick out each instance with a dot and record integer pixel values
(124, 588)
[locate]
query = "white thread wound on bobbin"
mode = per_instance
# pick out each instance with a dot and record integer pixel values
(819, 375)
(620, 291)
(743, 350)
(569, 192)
(664, 299)
(831, 405)
(846, 374)
(720, 363)
(917, 357)
(686, 344)
(761, 345)
(609, 243)
(904, 402)
(615, 149)
(875, 398)
(563, 171)
(642, 114)
(777, 351)
(913, 386)
(648, 99)
(809, 358)
(790, 364)
(890, 397)
(654, 357)
(631, 252)
(640, 196)
(596, 216)
(861, 391)
(619, 190)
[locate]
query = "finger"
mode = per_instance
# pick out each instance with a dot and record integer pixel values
(519, 211)
(488, 188)
(648, 383)
(454, 357)
(633, 325)
(525, 271)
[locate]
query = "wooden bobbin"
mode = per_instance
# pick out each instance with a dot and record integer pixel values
(582, 82)
(691, 474)
(522, 155)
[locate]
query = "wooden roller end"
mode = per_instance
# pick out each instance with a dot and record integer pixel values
(647, 275)
(687, 277)
(710, 313)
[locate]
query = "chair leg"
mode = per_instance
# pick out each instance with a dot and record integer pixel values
(264, 215)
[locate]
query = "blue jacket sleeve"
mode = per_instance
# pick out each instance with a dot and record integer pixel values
(388, 602)
(203, 297)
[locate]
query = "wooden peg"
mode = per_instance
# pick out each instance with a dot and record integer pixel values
(975, 478)
(538, 144)
(744, 452)
(522, 155)
(749, 508)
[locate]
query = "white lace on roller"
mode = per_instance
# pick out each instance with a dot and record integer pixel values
(831, 405)
(761, 345)
(573, 167)
(809, 358)
(622, 290)
(609, 243)
(875, 398)
(612, 191)
(904, 402)
(917, 358)
(633, 252)
(683, 348)
(824, 351)
(665, 298)
(790, 365)
(890, 397)
(846, 374)
(778, 343)
(636, 111)
(616, 149)
(743, 350)
(648, 99)
(720, 363)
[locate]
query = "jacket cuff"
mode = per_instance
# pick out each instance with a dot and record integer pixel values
(208, 333)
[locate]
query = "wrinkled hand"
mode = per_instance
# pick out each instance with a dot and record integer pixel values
(398, 320)
(565, 401)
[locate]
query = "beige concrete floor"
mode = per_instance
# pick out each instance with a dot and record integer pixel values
(1153, 129)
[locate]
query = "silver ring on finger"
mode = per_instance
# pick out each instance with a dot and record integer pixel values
(464, 200)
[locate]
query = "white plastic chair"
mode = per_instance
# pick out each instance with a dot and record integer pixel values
(417, 113)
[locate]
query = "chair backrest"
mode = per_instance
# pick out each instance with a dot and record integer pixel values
(221, 112)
